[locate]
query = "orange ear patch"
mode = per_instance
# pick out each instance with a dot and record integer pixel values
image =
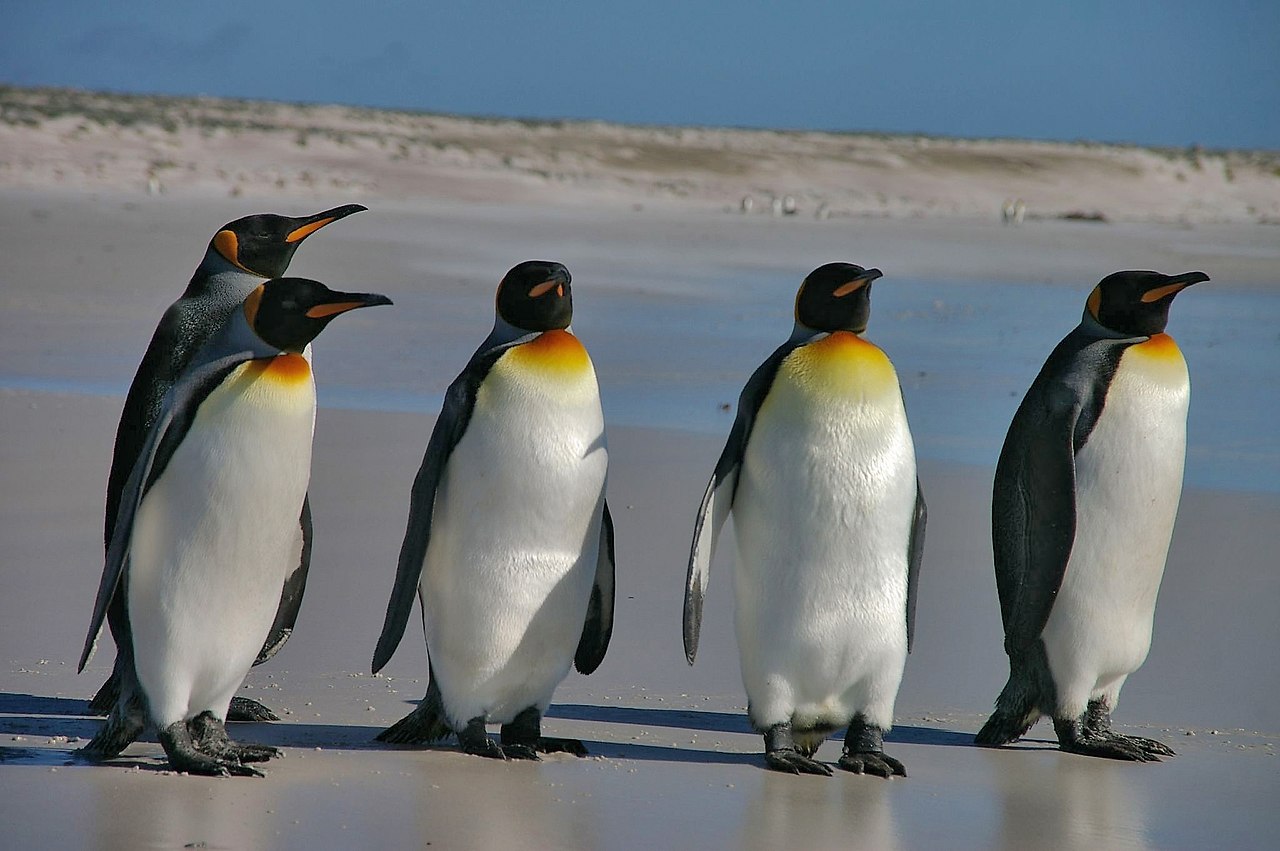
(228, 245)
(251, 303)
(1094, 303)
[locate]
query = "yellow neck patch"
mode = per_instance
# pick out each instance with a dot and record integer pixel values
(1160, 346)
(552, 351)
(287, 369)
(842, 364)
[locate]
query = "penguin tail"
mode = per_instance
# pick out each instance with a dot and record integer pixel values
(1016, 712)
(425, 725)
(101, 703)
(122, 728)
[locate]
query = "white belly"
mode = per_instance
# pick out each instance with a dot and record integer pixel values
(822, 518)
(213, 541)
(514, 545)
(1128, 484)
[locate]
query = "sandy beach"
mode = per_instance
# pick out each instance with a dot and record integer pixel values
(677, 297)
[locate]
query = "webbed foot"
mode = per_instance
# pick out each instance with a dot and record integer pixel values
(781, 753)
(864, 751)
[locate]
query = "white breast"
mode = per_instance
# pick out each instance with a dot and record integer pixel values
(214, 539)
(1128, 484)
(515, 540)
(822, 518)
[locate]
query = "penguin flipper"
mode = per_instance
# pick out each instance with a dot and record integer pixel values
(598, 628)
(176, 416)
(1033, 518)
(455, 414)
(718, 499)
(915, 555)
(291, 595)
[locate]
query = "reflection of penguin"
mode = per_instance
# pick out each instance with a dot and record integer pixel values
(241, 255)
(206, 531)
(1085, 496)
(510, 544)
(820, 473)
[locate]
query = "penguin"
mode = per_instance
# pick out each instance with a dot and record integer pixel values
(240, 256)
(510, 544)
(820, 473)
(206, 531)
(1082, 511)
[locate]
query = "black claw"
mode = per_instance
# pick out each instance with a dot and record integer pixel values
(547, 744)
(520, 752)
(475, 741)
(791, 762)
(244, 709)
(879, 764)
(186, 755)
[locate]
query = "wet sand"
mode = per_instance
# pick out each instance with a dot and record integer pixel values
(676, 309)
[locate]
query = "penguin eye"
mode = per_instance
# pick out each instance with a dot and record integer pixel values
(289, 304)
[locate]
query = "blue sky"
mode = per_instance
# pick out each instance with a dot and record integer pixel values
(1177, 72)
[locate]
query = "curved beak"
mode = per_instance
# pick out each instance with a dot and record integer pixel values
(857, 283)
(1173, 284)
(555, 282)
(310, 224)
(342, 302)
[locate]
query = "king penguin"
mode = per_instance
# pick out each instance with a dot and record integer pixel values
(241, 255)
(206, 531)
(1085, 494)
(820, 473)
(509, 545)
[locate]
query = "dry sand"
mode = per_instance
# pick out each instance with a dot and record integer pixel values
(677, 301)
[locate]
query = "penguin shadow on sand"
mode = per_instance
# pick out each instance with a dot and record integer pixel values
(704, 721)
(40, 718)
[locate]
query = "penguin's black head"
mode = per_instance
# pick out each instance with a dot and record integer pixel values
(1137, 302)
(836, 297)
(288, 313)
(264, 244)
(535, 296)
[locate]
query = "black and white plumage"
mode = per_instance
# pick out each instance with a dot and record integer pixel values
(1086, 491)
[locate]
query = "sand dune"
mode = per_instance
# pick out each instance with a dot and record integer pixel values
(54, 137)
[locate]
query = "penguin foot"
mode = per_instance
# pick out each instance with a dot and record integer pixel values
(475, 741)
(790, 761)
(209, 735)
(521, 752)
(547, 744)
(864, 750)
(781, 752)
(184, 756)
(1074, 737)
(522, 738)
(872, 762)
(244, 709)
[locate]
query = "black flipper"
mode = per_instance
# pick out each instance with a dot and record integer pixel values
(718, 499)
(291, 598)
(455, 414)
(915, 555)
(1033, 513)
(598, 628)
(166, 435)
